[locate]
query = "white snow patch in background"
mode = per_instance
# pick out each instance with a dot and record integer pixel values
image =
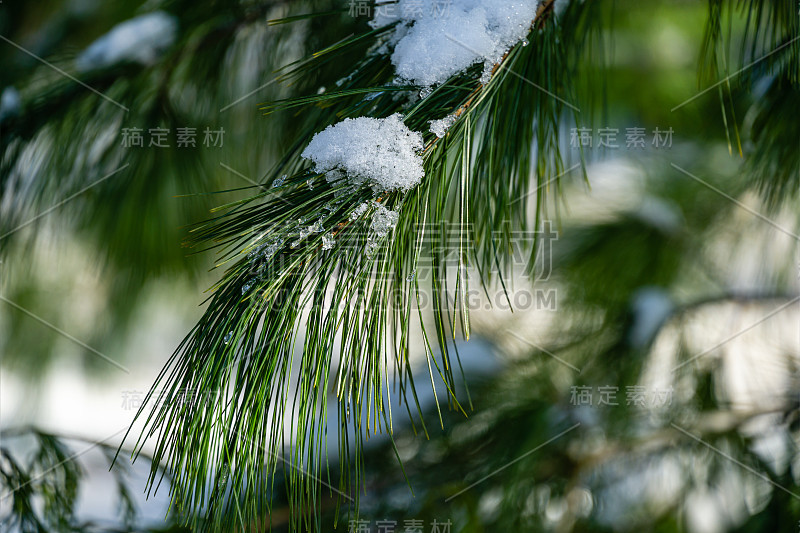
(138, 40)
(380, 152)
(559, 6)
(435, 40)
(10, 103)
(651, 307)
(660, 213)
(703, 513)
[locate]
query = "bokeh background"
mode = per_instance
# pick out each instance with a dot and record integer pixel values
(648, 379)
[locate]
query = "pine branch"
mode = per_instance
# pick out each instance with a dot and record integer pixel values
(768, 65)
(40, 488)
(304, 272)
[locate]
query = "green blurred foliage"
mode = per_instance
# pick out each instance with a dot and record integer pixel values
(133, 225)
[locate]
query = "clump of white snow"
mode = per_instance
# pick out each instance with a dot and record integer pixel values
(434, 40)
(383, 221)
(440, 127)
(138, 40)
(359, 210)
(380, 152)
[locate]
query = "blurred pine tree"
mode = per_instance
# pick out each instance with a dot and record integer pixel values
(328, 286)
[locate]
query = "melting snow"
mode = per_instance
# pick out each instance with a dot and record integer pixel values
(440, 127)
(383, 221)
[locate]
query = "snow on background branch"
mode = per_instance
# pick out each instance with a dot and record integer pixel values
(432, 43)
